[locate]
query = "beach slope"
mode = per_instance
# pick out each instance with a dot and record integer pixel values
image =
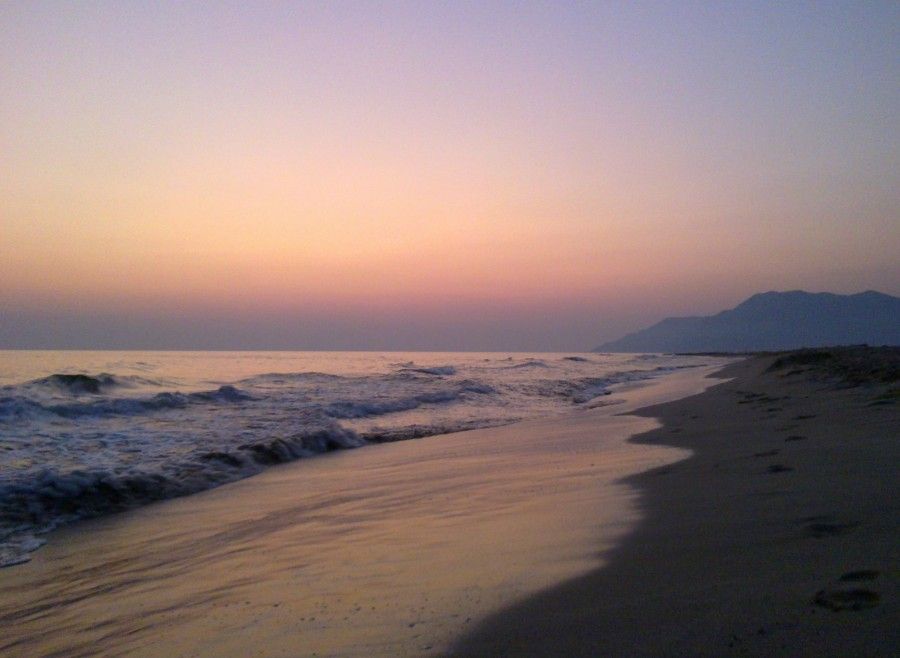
(779, 536)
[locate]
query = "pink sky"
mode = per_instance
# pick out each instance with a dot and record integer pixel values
(362, 175)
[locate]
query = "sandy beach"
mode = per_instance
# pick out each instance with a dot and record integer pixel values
(390, 550)
(768, 525)
(780, 535)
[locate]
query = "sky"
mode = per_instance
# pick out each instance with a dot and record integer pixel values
(435, 175)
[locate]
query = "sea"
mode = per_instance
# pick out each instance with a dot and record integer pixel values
(84, 434)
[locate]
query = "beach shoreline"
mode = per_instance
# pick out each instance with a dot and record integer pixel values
(93, 433)
(392, 550)
(765, 525)
(778, 536)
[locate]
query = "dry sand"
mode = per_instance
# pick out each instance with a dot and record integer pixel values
(390, 550)
(780, 536)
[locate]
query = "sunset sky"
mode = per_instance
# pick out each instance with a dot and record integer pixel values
(423, 175)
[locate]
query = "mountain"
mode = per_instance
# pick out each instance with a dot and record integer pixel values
(775, 321)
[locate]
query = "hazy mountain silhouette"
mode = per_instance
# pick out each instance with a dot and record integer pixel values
(775, 321)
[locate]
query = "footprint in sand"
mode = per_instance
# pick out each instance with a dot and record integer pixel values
(837, 599)
(858, 575)
(767, 453)
(779, 468)
(829, 529)
(795, 437)
(841, 596)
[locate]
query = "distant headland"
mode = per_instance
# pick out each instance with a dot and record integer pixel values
(775, 321)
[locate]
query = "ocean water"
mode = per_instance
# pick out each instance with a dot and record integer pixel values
(89, 433)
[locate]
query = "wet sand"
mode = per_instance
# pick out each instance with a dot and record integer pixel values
(779, 536)
(390, 550)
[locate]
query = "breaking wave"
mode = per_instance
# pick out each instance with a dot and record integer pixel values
(40, 501)
(82, 384)
(436, 370)
(530, 363)
(20, 407)
(366, 408)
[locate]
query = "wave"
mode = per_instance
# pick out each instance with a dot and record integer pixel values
(419, 431)
(377, 407)
(434, 370)
(79, 383)
(585, 389)
(159, 402)
(575, 391)
(51, 494)
(21, 408)
(288, 377)
(39, 502)
(531, 363)
(304, 444)
(579, 359)
(83, 384)
(225, 393)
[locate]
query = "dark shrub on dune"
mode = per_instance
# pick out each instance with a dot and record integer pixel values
(854, 365)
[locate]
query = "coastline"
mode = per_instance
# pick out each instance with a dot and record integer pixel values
(780, 535)
(393, 550)
(105, 432)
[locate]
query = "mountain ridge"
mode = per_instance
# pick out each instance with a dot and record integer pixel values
(774, 321)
